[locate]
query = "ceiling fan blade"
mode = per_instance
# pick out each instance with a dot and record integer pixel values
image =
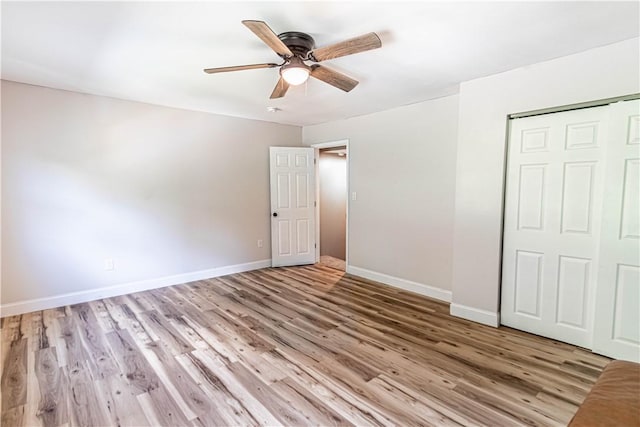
(238, 68)
(281, 88)
(347, 47)
(333, 77)
(266, 34)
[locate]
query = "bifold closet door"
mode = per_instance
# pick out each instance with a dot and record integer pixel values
(571, 251)
(554, 190)
(617, 309)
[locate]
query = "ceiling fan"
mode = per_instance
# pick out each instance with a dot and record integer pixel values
(295, 48)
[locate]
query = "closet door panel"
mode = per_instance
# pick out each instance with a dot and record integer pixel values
(553, 202)
(617, 305)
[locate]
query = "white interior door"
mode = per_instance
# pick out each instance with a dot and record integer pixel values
(617, 320)
(552, 224)
(292, 178)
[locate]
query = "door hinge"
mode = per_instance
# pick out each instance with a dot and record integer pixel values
(315, 204)
(314, 160)
(315, 245)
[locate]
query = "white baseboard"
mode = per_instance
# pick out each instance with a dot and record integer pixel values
(407, 285)
(27, 306)
(485, 317)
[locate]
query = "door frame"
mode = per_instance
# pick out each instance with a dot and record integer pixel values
(317, 147)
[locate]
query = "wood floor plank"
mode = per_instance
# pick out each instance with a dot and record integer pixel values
(98, 354)
(11, 332)
(52, 408)
(160, 409)
(166, 333)
(249, 402)
(39, 330)
(308, 378)
(287, 414)
(312, 408)
(12, 328)
(166, 408)
(119, 398)
(55, 334)
(13, 416)
(238, 336)
(184, 388)
(217, 343)
(76, 356)
(105, 320)
(520, 415)
(226, 408)
(405, 406)
(306, 345)
(33, 330)
(448, 403)
(131, 321)
(84, 405)
(136, 368)
(14, 375)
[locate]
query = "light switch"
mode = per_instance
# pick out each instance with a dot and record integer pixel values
(354, 196)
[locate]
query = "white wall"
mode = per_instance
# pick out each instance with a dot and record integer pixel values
(161, 191)
(333, 205)
(484, 105)
(402, 168)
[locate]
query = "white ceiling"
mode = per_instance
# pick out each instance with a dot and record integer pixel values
(155, 51)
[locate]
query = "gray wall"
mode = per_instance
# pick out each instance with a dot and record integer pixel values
(402, 168)
(161, 191)
(333, 205)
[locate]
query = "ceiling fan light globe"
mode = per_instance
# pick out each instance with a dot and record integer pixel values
(295, 75)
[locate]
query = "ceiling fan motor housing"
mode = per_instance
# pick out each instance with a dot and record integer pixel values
(298, 43)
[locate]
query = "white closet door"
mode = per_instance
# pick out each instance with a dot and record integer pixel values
(554, 189)
(617, 321)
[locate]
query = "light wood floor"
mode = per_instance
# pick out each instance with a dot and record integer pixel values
(287, 346)
(337, 263)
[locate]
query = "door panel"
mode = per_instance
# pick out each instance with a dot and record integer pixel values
(528, 283)
(577, 197)
(552, 223)
(531, 197)
(574, 278)
(617, 326)
(630, 228)
(293, 203)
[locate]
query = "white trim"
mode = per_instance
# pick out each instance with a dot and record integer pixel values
(407, 285)
(27, 306)
(485, 317)
(331, 144)
(316, 171)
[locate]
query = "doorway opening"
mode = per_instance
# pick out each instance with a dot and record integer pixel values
(332, 173)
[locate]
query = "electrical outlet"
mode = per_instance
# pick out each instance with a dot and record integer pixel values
(260, 243)
(108, 264)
